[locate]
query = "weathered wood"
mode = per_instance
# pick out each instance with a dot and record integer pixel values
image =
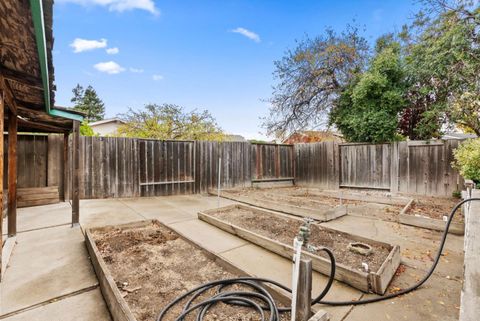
(117, 305)
(420, 167)
(470, 297)
(322, 213)
(12, 174)
(126, 167)
(76, 173)
(362, 197)
(2, 108)
(376, 282)
(365, 166)
(431, 224)
(272, 161)
(63, 187)
(37, 196)
(303, 310)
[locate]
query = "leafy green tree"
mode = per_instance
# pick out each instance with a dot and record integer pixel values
(88, 102)
(310, 79)
(443, 65)
(368, 108)
(169, 121)
(86, 130)
(467, 159)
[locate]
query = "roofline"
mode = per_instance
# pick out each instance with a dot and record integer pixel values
(104, 121)
(36, 8)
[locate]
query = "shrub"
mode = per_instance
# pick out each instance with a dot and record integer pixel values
(467, 159)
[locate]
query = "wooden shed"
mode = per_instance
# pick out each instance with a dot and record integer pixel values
(27, 98)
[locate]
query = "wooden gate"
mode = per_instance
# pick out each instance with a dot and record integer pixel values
(365, 166)
(272, 162)
(166, 167)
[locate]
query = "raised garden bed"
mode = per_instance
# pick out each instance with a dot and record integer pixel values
(275, 232)
(143, 266)
(431, 213)
(288, 204)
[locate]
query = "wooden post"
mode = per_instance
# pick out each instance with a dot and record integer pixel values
(2, 107)
(12, 174)
(76, 173)
(304, 291)
(64, 186)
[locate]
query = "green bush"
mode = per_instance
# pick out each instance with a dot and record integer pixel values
(467, 159)
(86, 130)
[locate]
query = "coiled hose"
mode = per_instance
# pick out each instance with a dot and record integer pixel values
(261, 294)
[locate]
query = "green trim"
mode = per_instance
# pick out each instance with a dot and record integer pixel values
(36, 8)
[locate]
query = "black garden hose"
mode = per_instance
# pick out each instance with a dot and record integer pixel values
(419, 283)
(261, 294)
(241, 298)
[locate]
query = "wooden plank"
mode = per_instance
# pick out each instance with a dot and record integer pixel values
(76, 173)
(64, 180)
(321, 214)
(12, 175)
(2, 118)
(470, 297)
(431, 224)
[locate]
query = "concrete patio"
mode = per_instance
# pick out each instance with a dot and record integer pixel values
(50, 277)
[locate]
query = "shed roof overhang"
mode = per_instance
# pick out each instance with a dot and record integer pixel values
(26, 68)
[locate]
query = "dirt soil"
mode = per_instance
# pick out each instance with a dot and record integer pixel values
(284, 229)
(436, 208)
(308, 198)
(152, 265)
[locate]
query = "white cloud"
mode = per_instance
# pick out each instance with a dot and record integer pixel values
(110, 67)
(112, 51)
(81, 45)
(119, 5)
(136, 70)
(157, 77)
(247, 33)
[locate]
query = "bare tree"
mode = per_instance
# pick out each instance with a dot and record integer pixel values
(310, 79)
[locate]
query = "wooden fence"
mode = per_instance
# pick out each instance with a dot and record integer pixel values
(125, 167)
(272, 162)
(39, 160)
(414, 167)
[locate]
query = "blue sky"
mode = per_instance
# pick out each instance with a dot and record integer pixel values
(215, 55)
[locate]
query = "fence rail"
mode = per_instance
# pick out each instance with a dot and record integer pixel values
(126, 167)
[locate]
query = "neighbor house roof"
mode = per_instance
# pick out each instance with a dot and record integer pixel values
(26, 66)
(458, 136)
(234, 138)
(312, 136)
(106, 121)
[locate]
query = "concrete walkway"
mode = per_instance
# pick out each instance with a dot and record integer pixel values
(50, 276)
